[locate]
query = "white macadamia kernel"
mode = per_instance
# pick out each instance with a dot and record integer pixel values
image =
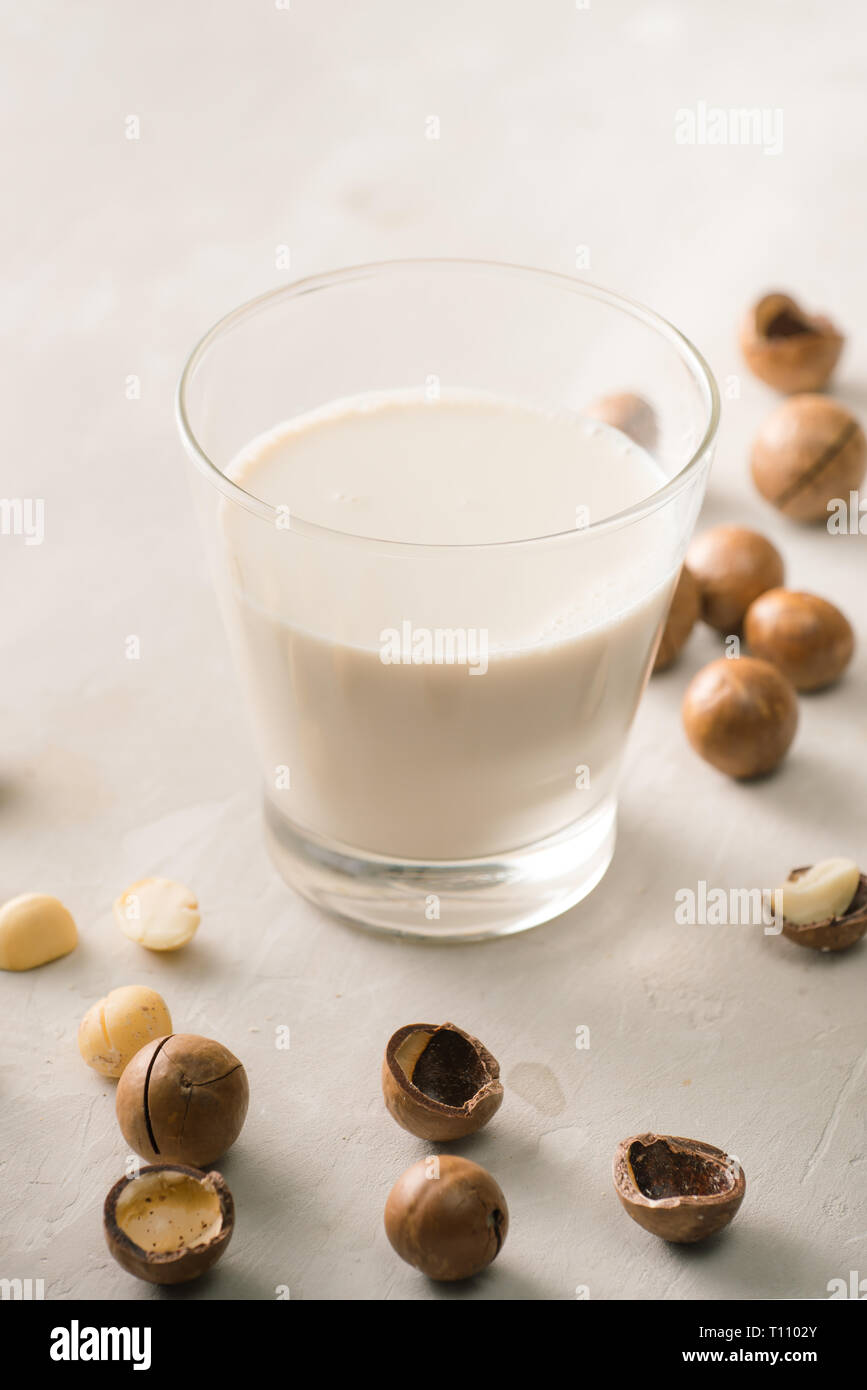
(116, 1027)
(34, 929)
(158, 913)
(826, 890)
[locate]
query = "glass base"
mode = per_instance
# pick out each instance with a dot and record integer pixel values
(468, 900)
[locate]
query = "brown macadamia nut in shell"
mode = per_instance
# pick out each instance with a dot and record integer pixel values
(678, 1189)
(740, 715)
(629, 413)
(447, 1217)
(168, 1223)
(682, 616)
(788, 349)
(810, 451)
(804, 636)
(182, 1099)
(439, 1082)
(732, 566)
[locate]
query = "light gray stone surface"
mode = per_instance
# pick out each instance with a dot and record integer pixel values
(261, 128)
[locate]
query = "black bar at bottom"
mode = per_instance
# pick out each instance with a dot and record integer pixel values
(166, 1336)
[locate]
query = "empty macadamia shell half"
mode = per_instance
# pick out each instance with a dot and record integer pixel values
(679, 1189)
(834, 933)
(439, 1082)
(170, 1223)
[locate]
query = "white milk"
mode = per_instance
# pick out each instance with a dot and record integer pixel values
(441, 704)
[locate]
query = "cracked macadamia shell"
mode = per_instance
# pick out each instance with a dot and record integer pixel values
(182, 1099)
(447, 1217)
(787, 348)
(168, 1224)
(439, 1082)
(679, 1189)
(833, 933)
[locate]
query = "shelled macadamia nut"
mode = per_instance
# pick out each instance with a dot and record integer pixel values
(682, 616)
(787, 348)
(809, 452)
(447, 1217)
(157, 913)
(805, 637)
(824, 890)
(740, 715)
(34, 929)
(732, 566)
(114, 1028)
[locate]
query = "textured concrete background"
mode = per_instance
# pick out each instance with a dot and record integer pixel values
(265, 127)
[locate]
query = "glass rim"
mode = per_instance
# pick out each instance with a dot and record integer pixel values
(557, 279)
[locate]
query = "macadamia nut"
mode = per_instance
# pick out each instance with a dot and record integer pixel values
(158, 913)
(682, 616)
(629, 413)
(183, 1100)
(732, 566)
(116, 1027)
(810, 451)
(823, 891)
(447, 1217)
(805, 637)
(34, 929)
(740, 715)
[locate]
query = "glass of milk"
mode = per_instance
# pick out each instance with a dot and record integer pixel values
(443, 576)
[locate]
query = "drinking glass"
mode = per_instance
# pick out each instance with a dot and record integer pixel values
(427, 796)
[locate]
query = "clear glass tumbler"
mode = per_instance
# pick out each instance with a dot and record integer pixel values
(468, 786)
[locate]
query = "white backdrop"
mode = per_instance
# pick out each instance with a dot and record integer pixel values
(273, 142)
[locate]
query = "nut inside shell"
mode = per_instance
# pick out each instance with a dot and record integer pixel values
(629, 413)
(808, 452)
(447, 1217)
(741, 715)
(679, 1189)
(182, 1099)
(439, 1082)
(833, 933)
(170, 1223)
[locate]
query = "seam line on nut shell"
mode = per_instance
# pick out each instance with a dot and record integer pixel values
(810, 474)
(145, 1106)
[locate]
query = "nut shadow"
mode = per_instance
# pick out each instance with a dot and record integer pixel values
(755, 1262)
(496, 1284)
